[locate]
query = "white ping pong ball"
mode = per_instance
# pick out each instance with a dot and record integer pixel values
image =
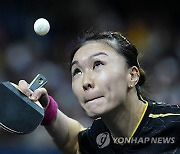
(41, 26)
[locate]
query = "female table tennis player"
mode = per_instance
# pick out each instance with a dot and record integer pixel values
(107, 80)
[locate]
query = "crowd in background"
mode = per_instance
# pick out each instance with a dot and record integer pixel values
(154, 29)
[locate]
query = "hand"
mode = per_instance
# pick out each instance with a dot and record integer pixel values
(39, 94)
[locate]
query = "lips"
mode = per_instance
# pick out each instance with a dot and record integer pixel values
(91, 99)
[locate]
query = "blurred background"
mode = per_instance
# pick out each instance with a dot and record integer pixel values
(153, 27)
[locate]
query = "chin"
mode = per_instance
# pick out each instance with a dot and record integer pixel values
(98, 114)
(95, 110)
(94, 115)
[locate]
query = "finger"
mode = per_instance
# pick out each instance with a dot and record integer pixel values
(38, 93)
(41, 95)
(23, 87)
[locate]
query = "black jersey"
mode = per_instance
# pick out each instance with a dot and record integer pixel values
(158, 132)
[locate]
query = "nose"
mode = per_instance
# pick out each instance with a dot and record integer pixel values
(88, 81)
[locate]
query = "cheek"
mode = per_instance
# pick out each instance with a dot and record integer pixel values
(76, 88)
(112, 77)
(119, 87)
(115, 82)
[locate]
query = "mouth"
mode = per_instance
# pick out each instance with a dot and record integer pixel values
(92, 99)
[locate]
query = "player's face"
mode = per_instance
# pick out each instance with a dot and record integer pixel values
(99, 78)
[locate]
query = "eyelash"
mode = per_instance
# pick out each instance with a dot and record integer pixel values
(96, 64)
(76, 71)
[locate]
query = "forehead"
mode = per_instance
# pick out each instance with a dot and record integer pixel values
(93, 47)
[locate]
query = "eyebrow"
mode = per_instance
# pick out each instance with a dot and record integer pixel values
(94, 55)
(97, 54)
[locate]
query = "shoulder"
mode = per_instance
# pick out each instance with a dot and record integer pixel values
(164, 117)
(96, 128)
(87, 137)
(161, 109)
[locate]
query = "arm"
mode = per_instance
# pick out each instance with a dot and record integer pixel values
(64, 132)
(62, 129)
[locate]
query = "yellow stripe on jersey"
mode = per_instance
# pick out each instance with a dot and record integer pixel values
(140, 118)
(163, 115)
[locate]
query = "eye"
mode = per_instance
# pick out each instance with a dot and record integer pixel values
(76, 71)
(97, 63)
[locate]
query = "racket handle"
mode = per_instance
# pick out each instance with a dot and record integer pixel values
(37, 82)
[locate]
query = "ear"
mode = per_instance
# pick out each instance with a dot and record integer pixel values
(134, 76)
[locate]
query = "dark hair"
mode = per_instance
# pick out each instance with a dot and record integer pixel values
(121, 45)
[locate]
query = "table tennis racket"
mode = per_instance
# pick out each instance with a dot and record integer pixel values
(19, 114)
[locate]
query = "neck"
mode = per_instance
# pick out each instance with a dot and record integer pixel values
(123, 120)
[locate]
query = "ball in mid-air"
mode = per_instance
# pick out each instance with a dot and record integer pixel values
(41, 26)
